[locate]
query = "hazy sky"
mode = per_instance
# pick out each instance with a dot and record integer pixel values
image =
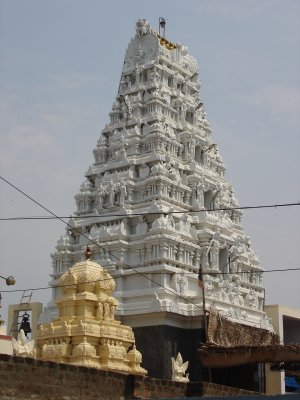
(59, 72)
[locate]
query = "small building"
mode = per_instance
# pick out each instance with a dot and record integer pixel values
(5, 340)
(286, 322)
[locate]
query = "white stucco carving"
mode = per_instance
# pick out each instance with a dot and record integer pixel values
(22, 346)
(150, 197)
(179, 369)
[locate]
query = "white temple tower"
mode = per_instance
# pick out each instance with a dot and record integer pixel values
(149, 199)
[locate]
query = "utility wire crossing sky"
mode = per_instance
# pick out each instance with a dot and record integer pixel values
(144, 275)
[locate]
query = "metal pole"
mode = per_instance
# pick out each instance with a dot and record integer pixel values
(162, 25)
(203, 301)
(205, 323)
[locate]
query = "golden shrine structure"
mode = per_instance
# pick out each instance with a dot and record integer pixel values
(85, 332)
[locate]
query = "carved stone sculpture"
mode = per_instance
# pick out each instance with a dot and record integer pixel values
(111, 193)
(233, 254)
(22, 346)
(100, 193)
(213, 250)
(192, 148)
(123, 193)
(142, 27)
(199, 198)
(184, 225)
(179, 369)
(253, 299)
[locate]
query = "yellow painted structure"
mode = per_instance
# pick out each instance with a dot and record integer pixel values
(85, 331)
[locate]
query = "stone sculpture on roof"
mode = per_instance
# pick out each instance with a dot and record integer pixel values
(179, 369)
(22, 346)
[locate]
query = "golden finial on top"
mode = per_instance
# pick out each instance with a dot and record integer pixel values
(87, 252)
(164, 42)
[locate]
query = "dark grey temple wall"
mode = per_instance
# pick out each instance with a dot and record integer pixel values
(158, 344)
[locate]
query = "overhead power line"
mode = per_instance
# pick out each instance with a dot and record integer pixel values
(154, 273)
(52, 217)
(116, 258)
(97, 244)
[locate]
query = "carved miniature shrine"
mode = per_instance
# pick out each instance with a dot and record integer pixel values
(156, 199)
(85, 331)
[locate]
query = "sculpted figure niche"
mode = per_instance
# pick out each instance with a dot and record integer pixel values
(123, 193)
(172, 170)
(184, 225)
(142, 226)
(100, 193)
(192, 148)
(144, 171)
(213, 250)
(198, 202)
(233, 254)
(111, 193)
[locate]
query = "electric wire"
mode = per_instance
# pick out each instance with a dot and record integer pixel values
(98, 245)
(153, 273)
(121, 261)
(52, 217)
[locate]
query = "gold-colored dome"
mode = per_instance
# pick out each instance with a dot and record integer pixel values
(87, 276)
(166, 43)
(134, 356)
(85, 331)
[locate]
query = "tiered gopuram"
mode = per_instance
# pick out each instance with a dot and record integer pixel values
(152, 199)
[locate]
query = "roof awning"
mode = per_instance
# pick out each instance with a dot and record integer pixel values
(230, 344)
(221, 357)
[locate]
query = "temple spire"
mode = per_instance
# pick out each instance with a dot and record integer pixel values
(156, 154)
